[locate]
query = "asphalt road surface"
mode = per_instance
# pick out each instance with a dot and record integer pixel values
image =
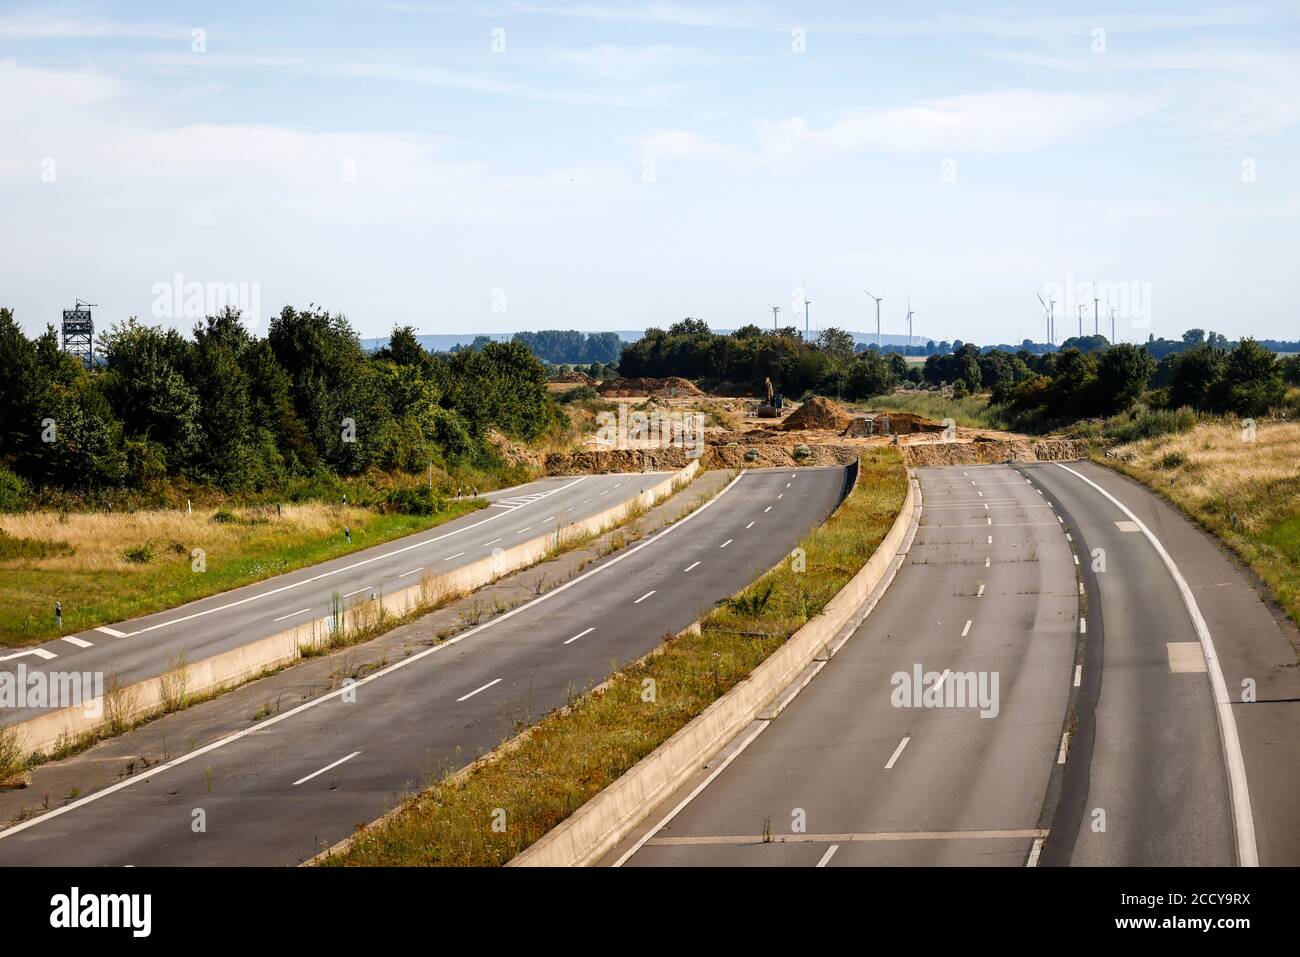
(282, 789)
(141, 648)
(849, 775)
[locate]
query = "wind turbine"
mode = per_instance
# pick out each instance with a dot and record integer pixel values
(909, 321)
(775, 310)
(1049, 312)
(806, 303)
(878, 301)
(1096, 326)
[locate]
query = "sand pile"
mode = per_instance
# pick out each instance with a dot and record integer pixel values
(670, 388)
(988, 453)
(817, 413)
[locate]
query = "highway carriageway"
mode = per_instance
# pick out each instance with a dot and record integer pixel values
(280, 790)
(142, 648)
(1089, 596)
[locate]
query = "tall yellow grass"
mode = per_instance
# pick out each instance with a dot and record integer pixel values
(99, 539)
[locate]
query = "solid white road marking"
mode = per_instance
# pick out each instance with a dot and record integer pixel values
(158, 769)
(1065, 746)
(79, 642)
(1034, 851)
(889, 765)
(826, 858)
(38, 652)
(966, 631)
(326, 768)
(291, 614)
(1078, 675)
(689, 567)
(579, 635)
(112, 632)
(466, 697)
(1083, 626)
(644, 597)
(337, 571)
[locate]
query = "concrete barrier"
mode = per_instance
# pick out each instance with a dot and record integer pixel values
(229, 668)
(600, 824)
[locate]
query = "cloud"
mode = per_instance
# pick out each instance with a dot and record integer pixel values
(59, 28)
(1005, 121)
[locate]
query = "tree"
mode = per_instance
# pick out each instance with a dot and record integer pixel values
(869, 376)
(1122, 374)
(836, 342)
(1251, 382)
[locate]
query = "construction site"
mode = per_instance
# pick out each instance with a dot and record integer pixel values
(747, 432)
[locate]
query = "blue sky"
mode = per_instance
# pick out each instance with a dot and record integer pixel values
(600, 165)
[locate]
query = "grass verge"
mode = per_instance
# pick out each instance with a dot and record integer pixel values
(1240, 484)
(572, 754)
(112, 567)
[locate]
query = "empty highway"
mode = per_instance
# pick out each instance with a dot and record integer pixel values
(143, 647)
(1108, 740)
(279, 790)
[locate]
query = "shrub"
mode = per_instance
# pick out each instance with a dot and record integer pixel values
(416, 500)
(139, 554)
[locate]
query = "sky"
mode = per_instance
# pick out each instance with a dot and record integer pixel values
(597, 165)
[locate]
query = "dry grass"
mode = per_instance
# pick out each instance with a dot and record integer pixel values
(99, 539)
(1244, 491)
(574, 753)
(111, 567)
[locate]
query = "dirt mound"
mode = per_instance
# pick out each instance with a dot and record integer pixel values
(991, 452)
(670, 388)
(576, 377)
(512, 453)
(890, 423)
(601, 461)
(736, 456)
(817, 413)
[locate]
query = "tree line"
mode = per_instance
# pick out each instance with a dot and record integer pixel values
(227, 408)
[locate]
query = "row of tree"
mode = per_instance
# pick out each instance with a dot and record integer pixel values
(230, 409)
(561, 346)
(1044, 389)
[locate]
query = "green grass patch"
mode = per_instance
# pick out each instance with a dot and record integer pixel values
(574, 753)
(155, 579)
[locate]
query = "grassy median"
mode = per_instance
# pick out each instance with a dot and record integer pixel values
(1241, 484)
(111, 567)
(486, 817)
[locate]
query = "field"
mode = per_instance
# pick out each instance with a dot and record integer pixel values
(1241, 486)
(110, 567)
(573, 754)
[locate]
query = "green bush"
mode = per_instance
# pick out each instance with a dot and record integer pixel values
(139, 554)
(13, 491)
(577, 394)
(416, 500)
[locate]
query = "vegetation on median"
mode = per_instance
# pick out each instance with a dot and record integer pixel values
(572, 754)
